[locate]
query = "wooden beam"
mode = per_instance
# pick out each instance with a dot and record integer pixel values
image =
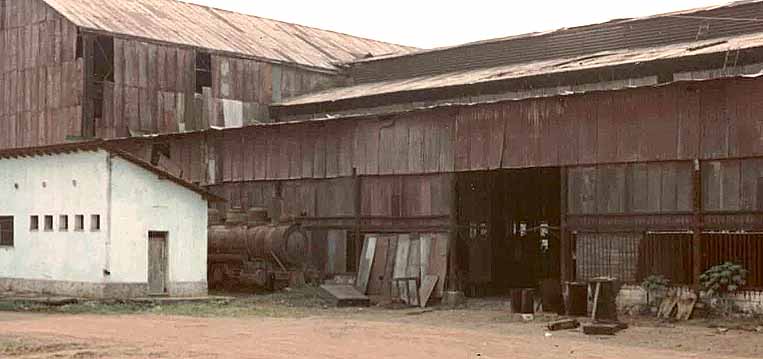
(567, 271)
(88, 68)
(697, 223)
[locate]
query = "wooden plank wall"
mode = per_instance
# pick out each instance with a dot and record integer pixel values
(639, 188)
(388, 196)
(154, 90)
(40, 76)
(243, 89)
(733, 185)
(677, 122)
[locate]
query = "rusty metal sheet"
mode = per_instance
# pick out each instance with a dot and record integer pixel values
(188, 24)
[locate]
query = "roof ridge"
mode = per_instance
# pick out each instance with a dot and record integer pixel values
(528, 35)
(213, 8)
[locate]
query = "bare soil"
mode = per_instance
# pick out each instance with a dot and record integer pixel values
(277, 328)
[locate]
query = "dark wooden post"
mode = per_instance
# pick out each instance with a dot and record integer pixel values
(697, 223)
(452, 280)
(358, 197)
(565, 250)
(88, 85)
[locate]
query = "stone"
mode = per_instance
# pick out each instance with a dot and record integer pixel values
(453, 299)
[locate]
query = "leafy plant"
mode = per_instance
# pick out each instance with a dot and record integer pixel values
(723, 279)
(654, 284)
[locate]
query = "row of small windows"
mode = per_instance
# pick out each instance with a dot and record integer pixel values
(63, 223)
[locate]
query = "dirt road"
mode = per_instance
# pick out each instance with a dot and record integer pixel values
(363, 336)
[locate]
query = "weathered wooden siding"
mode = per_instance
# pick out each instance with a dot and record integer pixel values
(154, 90)
(708, 120)
(40, 76)
(654, 187)
(733, 185)
(381, 197)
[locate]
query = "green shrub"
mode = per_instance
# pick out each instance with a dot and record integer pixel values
(723, 279)
(654, 284)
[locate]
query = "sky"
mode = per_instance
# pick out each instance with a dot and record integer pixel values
(433, 23)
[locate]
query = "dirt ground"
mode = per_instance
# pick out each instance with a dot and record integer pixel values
(278, 329)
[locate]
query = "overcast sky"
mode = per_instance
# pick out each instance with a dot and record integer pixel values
(435, 23)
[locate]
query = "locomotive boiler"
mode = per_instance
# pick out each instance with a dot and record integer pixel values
(248, 250)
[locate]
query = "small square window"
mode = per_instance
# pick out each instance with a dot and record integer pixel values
(6, 231)
(48, 223)
(79, 222)
(95, 222)
(34, 223)
(63, 223)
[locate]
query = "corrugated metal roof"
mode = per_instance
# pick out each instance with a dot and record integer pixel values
(689, 25)
(89, 146)
(594, 61)
(209, 28)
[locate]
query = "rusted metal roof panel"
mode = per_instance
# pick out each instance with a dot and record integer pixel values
(696, 24)
(600, 60)
(219, 30)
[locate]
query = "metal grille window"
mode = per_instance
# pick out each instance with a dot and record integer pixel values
(6, 231)
(63, 223)
(79, 222)
(95, 222)
(48, 223)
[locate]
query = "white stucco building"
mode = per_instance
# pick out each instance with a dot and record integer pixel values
(85, 220)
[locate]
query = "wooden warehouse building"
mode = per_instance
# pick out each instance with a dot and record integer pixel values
(624, 149)
(116, 68)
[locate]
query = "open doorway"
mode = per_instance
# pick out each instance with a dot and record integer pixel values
(508, 235)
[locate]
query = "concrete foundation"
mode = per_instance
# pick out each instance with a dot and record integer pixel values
(98, 290)
(750, 302)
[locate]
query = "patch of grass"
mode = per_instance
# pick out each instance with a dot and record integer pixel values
(296, 303)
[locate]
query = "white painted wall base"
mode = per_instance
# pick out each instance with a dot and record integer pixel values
(747, 302)
(98, 290)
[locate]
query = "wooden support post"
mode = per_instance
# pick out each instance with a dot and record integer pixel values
(88, 85)
(565, 249)
(358, 197)
(697, 223)
(452, 281)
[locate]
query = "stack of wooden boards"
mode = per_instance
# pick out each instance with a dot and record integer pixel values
(411, 267)
(679, 306)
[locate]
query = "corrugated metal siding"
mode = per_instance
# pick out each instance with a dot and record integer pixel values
(745, 249)
(669, 255)
(199, 26)
(631, 126)
(572, 42)
(40, 77)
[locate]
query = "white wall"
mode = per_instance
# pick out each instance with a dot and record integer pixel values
(141, 202)
(60, 256)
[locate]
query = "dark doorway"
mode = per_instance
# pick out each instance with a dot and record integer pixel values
(508, 235)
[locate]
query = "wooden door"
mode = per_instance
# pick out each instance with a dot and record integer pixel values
(157, 263)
